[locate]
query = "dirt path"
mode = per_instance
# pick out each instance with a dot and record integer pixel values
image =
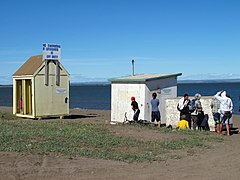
(219, 162)
(222, 162)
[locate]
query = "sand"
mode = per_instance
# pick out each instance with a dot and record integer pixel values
(219, 162)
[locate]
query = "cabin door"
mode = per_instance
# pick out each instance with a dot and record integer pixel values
(24, 96)
(28, 96)
(19, 97)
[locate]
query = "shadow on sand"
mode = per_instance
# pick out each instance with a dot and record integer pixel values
(71, 116)
(78, 116)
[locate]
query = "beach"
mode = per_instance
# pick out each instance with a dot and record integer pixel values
(221, 161)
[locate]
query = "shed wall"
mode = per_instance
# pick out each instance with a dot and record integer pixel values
(121, 100)
(165, 88)
(51, 99)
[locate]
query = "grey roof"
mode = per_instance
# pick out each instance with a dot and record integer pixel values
(141, 78)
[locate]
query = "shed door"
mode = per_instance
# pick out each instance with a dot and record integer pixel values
(19, 99)
(24, 96)
(28, 96)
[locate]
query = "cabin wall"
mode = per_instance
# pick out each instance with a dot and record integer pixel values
(51, 99)
(165, 88)
(121, 100)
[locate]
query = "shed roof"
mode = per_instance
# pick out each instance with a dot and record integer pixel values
(30, 66)
(141, 78)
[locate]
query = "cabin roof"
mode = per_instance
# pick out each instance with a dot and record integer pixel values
(32, 65)
(143, 78)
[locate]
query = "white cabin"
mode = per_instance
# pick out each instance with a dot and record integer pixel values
(141, 87)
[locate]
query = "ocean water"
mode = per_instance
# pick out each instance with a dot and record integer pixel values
(90, 97)
(99, 96)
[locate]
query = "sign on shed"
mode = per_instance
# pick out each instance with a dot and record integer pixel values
(51, 51)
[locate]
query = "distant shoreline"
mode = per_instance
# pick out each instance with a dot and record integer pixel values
(179, 82)
(209, 81)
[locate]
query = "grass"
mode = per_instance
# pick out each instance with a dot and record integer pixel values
(89, 140)
(7, 116)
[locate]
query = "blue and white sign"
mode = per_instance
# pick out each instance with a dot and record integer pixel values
(51, 51)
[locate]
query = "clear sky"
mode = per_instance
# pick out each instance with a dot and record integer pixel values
(99, 38)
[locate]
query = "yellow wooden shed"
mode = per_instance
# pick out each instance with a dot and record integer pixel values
(41, 89)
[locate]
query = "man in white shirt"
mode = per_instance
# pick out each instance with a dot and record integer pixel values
(183, 107)
(225, 110)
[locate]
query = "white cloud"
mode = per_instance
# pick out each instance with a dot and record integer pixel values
(79, 78)
(7, 52)
(94, 61)
(5, 80)
(12, 62)
(76, 78)
(210, 76)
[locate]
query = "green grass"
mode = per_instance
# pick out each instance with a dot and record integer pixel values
(7, 116)
(89, 140)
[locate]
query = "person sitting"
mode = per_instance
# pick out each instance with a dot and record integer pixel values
(183, 124)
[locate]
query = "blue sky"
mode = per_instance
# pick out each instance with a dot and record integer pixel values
(199, 38)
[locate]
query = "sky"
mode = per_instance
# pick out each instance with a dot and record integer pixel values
(99, 39)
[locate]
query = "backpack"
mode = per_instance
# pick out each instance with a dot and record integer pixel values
(192, 105)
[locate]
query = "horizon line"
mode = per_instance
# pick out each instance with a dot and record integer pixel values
(178, 81)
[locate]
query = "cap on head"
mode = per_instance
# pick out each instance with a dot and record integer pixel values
(133, 98)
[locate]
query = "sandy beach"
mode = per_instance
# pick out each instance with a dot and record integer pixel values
(221, 161)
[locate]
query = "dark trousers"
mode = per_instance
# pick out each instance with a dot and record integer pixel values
(195, 121)
(156, 116)
(136, 114)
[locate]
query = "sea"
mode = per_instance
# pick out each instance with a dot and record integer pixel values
(98, 96)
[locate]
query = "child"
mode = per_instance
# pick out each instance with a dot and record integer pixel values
(155, 111)
(182, 124)
(135, 109)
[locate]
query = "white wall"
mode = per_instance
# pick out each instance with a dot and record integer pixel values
(172, 114)
(165, 88)
(121, 100)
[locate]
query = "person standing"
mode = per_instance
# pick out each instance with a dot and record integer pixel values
(225, 110)
(183, 107)
(135, 109)
(155, 111)
(196, 114)
(215, 106)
